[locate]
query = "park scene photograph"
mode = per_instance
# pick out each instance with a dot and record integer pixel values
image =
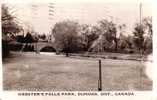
(77, 46)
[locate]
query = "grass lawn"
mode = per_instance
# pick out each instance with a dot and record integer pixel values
(30, 71)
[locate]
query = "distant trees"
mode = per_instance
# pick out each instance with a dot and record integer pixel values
(104, 36)
(70, 36)
(42, 36)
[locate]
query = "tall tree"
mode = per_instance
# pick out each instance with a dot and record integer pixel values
(9, 26)
(88, 35)
(139, 36)
(148, 35)
(148, 25)
(66, 36)
(109, 30)
(143, 35)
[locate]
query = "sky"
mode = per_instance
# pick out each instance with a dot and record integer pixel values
(82, 12)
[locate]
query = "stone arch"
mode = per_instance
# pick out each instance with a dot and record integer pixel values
(48, 49)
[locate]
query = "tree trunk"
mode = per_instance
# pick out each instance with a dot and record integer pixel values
(116, 43)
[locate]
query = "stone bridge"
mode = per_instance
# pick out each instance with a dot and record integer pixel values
(39, 45)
